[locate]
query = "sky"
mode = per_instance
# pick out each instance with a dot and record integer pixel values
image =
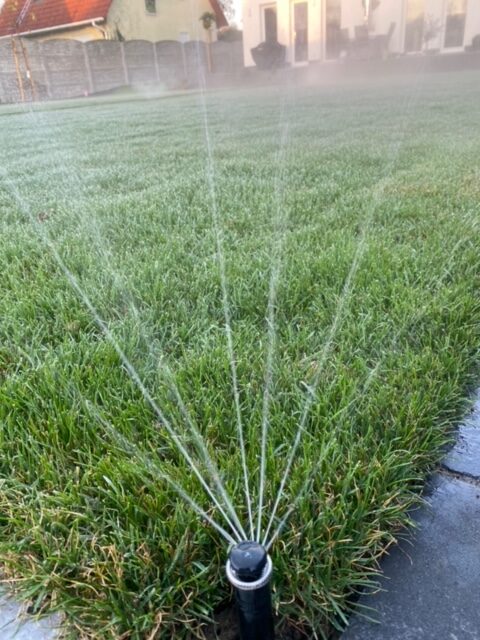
(237, 4)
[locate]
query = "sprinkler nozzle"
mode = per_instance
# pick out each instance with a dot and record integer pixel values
(249, 569)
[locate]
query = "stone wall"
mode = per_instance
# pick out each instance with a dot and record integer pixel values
(55, 69)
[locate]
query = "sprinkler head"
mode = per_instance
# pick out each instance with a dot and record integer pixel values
(249, 569)
(248, 560)
(249, 566)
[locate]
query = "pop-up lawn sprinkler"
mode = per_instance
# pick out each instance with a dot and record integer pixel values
(249, 569)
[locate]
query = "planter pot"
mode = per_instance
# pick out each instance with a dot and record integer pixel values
(269, 55)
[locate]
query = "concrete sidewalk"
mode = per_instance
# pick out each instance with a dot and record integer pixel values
(15, 625)
(431, 584)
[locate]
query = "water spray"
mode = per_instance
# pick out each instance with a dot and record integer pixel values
(249, 569)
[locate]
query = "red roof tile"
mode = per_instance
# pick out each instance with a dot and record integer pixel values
(18, 16)
(220, 18)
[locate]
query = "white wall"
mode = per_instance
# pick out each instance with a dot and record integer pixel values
(472, 28)
(315, 28)
(435, 10)
(352, 15)
(316, 18)
(387, 12)
(252, 27)
(172, 17)
(395, 11)
(284, 25)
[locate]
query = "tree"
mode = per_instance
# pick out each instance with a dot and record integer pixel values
(228, 9)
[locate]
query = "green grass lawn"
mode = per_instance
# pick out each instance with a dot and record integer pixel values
(366, 199)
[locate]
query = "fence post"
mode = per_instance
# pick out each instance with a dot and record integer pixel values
(17, 70)
(184, 64)
(29, 71)
(155, 60)
(124, 63)
(46, 73)
(88, 69)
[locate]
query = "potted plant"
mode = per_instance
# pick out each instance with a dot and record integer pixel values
(208, 20)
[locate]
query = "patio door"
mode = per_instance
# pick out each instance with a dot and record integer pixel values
(270, 23)
(333, 26)
(455, 23)
(300, 32)
(414, 25)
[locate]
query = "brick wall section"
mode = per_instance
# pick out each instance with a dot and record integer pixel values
(58, 69)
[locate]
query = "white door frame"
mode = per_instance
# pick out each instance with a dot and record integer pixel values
(302, 63)
(266, 5)
(404, 29)
(443, 19)
(443, 48)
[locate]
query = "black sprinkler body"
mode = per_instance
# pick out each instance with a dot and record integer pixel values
(249, 569)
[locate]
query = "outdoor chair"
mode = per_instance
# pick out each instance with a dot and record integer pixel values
(344, 41)
(380, 43)
(361, 33)
(366, 47)
(360, 45)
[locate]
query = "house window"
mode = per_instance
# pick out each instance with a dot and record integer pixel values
(455, 23)
(151, 6)
(270, 23)
(414, 25)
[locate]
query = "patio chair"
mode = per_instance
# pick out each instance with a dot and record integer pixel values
(380, 44)
(361, 33)
(345, 41)
(360, 45)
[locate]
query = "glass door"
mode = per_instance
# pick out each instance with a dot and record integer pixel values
(455, 23)
(300, 31)
(414, 25)
(333, 32)
(270, 23)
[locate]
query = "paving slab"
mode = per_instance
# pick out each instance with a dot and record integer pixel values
(431, 584)
(464, 458)
(15, 625)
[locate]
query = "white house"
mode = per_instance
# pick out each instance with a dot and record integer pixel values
(318, 29)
